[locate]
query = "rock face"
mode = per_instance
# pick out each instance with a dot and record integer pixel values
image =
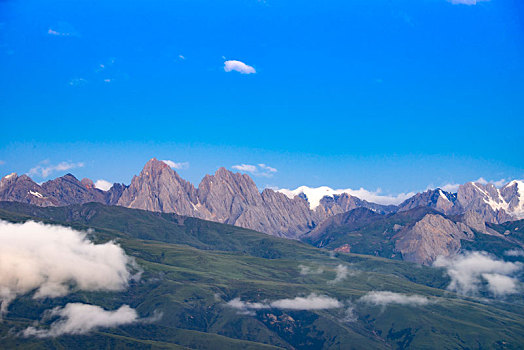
(432, 236)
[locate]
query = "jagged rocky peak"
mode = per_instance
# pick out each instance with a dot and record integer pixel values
(16, 188)
(68, 190)
(160, 188)
(438, 199)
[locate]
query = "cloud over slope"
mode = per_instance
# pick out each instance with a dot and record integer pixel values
(52, 260)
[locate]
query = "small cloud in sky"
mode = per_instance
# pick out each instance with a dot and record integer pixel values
(473, 272)
(261, 169)
(384, 298)
(175, 165)
(44, 169)
(78, 318)
(182, 57)
(466, 2)
(62, 29)
(450, 187)
(77, 82)
(238, 66)
(103, 185)
(2, 162)
(497, 183)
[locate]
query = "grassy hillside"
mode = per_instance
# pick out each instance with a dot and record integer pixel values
(192, 268)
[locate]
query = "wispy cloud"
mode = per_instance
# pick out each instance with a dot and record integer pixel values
(62, 29)
(175, 165)
(514, 252)
(44, 170)
(2, 162)
(311, 302)
(473, 272)
(78, 318)
(50, 260)
(306, 270)
(384, 298)
(261, 169)
(342, 272)
(238, 66)
(466, 2)
(450, 187)
(103, 185)
(77, 82)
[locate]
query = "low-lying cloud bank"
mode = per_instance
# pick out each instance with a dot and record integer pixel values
(53, 260)
(384, 298)
(78, 318)
(311, 302)
(474, 272)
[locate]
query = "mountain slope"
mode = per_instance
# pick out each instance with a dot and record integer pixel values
(192, 288)
(418, 235)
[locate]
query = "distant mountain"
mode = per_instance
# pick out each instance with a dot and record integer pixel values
(61, 191)
(234, 198)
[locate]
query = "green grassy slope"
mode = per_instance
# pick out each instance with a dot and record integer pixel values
(193, 267)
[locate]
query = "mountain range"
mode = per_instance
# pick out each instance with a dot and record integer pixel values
(305, 213)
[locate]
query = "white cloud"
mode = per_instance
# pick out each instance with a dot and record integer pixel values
(469, 271)
(311, 302)
(342, 272)
(78, 318)
(103, 185)
(384, 298)
(450, 187)
(262, 170)
(306, 270)
(178, 166)
(267, 168)
(77, 82)
(52, 260)
(238, 66)
(45, 170)
(63, 29)
(315, 194)
(500, 285)
(181, 57)
(466, 2)
(514, 252)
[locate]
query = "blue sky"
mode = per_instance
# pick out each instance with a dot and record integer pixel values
(397, 95)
